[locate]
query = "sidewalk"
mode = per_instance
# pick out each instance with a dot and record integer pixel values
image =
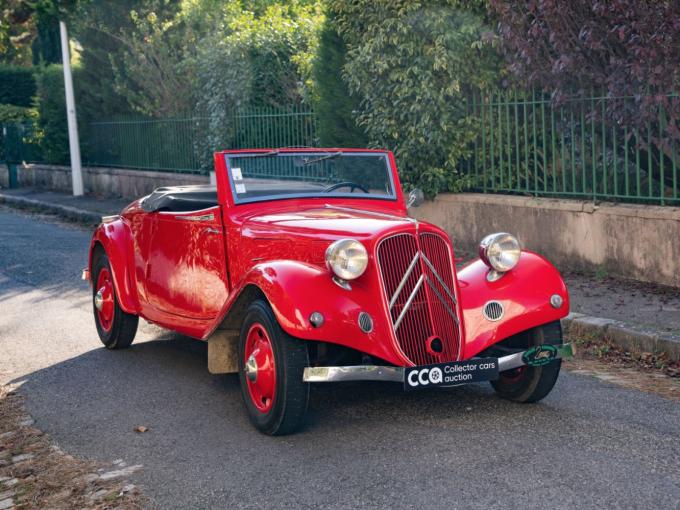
(637, 316)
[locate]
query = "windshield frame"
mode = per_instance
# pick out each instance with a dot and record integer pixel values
(384, 155)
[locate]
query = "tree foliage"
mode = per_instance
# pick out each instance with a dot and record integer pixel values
(256, 58)
(246, 52)
(29, 30)
(336, 109)
(17, 28)
(619, 47)
(97, 26)
(413, 64)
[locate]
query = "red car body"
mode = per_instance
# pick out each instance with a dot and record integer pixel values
(191, 271)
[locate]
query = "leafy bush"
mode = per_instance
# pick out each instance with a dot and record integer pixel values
(17, 85)
(257, 59)
(413, 65)
(335, 108)
(13, 113)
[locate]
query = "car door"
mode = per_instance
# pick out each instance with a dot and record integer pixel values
(186, 265)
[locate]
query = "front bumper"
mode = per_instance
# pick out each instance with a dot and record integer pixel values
(396, 374)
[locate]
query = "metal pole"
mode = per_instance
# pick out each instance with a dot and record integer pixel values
(74, 145)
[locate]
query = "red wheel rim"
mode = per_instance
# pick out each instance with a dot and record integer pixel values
(104, 304)
(260, 368)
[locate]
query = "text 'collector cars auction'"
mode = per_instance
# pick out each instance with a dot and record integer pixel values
(302, 266)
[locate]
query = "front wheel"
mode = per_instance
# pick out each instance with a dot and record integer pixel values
(271, 366)
(116, 328)
(525, 383)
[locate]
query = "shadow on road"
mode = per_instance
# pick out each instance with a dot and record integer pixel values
(362, 442)
(164, 383)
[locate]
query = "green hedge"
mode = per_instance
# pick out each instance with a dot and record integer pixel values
(52, 112)
(17, 85)
(335, 108)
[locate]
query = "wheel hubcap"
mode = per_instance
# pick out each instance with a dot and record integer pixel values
(260, 368)
(104, 300)
(251, 368)
(99, 299)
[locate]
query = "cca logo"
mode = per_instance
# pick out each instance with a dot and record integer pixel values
(425, 376)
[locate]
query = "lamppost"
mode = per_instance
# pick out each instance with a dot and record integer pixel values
(74, 145)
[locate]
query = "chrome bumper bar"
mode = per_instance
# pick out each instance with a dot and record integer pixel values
(396, 374)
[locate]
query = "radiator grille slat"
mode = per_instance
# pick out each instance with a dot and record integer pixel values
(432, 311)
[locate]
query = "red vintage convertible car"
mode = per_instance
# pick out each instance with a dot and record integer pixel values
(302, 266)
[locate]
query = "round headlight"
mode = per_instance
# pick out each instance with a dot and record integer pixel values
(500, 251)
(347, 258)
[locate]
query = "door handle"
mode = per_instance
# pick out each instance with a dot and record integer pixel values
(211, 230)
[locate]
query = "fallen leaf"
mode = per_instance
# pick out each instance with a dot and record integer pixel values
(141, 429)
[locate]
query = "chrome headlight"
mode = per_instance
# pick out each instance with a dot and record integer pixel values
(347, 258)
(500, 251)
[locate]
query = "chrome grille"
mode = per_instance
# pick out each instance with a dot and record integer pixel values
(417, 274)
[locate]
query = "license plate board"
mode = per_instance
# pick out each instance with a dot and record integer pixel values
(450, 374)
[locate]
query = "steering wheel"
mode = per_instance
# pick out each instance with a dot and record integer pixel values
(351, 185)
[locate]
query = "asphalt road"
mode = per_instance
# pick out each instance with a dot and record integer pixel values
(588, 445)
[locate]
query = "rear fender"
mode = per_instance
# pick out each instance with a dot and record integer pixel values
(524, 292)
(295, 290)
(115, 239)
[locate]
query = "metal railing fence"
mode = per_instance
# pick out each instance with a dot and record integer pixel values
(20, 141)
(176, 145)
(187, 145)
(528, 145)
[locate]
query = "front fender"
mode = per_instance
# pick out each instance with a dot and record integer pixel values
(524, 292)
(114, 237)
(295, 290)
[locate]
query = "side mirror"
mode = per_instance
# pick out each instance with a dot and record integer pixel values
(416, 197)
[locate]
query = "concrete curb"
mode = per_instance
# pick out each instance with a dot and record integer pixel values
(621, 334)
(64, 211)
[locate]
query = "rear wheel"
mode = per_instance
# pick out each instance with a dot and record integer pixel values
(531, 384)
(116, 328)
(271, 366)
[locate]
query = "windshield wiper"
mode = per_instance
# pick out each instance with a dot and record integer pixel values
(322, 158)
(263, 154)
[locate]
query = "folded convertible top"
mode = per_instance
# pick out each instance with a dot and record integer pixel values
(181, 198)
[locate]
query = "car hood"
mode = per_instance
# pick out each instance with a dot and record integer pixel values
(327, 222)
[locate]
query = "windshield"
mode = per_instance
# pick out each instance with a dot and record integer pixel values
(271, 175)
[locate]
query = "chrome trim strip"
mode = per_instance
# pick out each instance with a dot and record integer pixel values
(441, 298)
(439, 278)
(110, 219)
(410, 269)
(356, 373)
(199, 217)
(197, 211)
(409, 301)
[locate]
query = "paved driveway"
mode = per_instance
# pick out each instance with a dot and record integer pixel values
(588, 445)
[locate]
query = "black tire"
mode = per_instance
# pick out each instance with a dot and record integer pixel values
(290, 394)
(120, 331)
(531, 384)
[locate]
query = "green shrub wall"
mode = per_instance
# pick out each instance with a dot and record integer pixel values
(17, 85)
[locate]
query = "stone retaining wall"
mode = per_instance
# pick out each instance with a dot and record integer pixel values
(113, 182)
(636, 241)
